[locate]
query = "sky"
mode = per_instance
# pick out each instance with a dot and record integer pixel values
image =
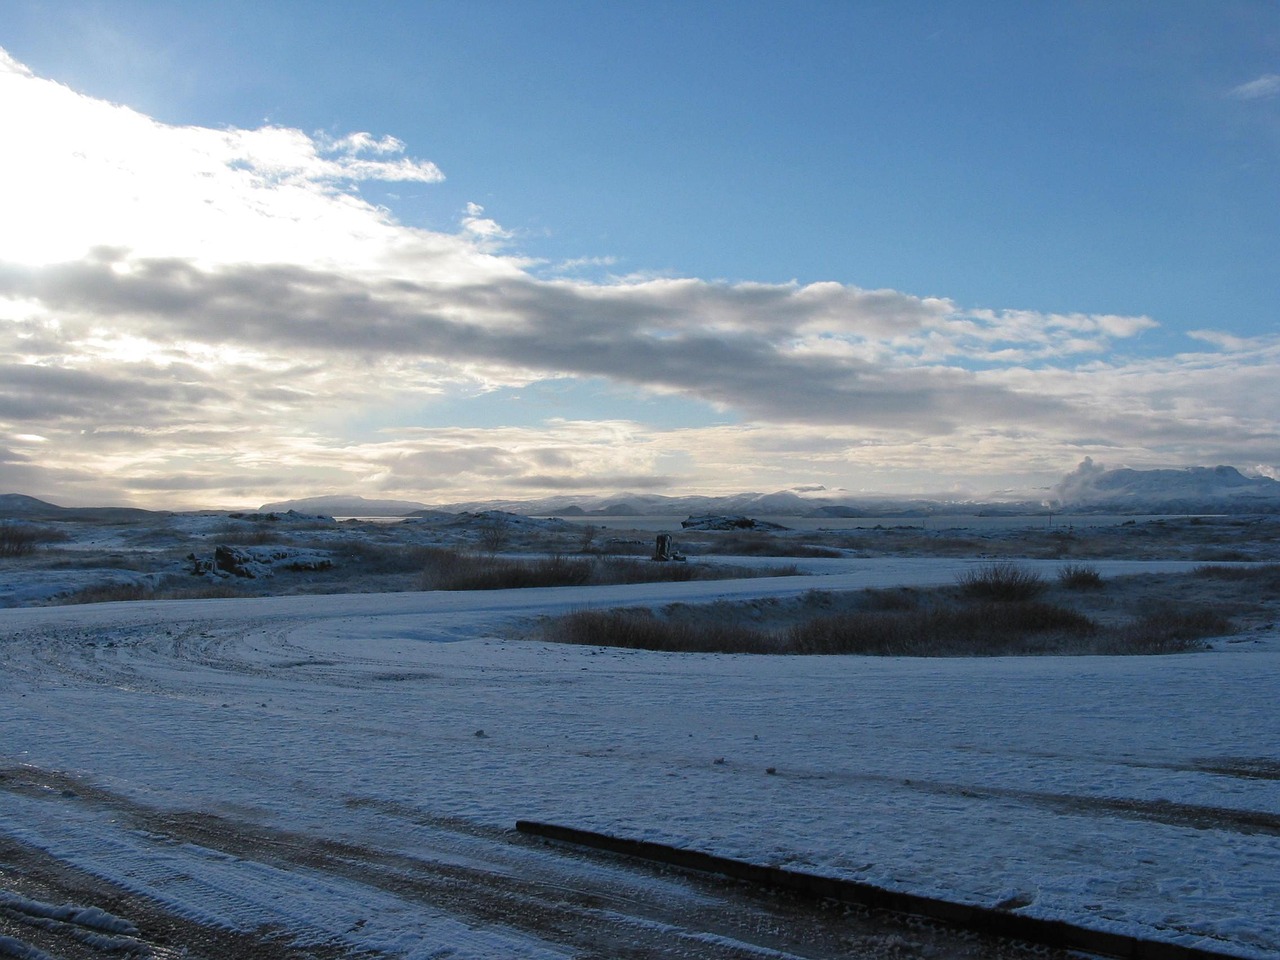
(449, 251)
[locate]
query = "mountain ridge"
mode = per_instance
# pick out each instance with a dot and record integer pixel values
(1090, 488)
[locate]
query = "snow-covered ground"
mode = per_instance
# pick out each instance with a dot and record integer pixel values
(1139, 795)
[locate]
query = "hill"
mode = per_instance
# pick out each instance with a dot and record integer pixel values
(1220, 489)
(345, 506)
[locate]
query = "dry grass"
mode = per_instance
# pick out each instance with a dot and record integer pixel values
(1079, 576)
(170, 589)
(917, 623)
(986, 629)
(765, 545)
(1001, 582)
(449, 569)
(1171, 630)
(1264, 575)
(22, 539)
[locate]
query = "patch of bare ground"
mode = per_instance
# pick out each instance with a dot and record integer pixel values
(1001, 610)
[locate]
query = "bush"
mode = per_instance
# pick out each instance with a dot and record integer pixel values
(447, 569)
(1078, 576)
(20, 539)
(454, 570)
(891, 598)
(383, 558)
(1171, 630)
(170, 589)
(988, 629)
(765, 545)
(1000, 582)
(982, 630)
(1265, 573)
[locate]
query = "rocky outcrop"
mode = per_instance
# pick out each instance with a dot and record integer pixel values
(729, 523)
(251, 563)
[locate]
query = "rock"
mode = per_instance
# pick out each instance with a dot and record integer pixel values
(253, 562)
(728, 523)
(235, 562)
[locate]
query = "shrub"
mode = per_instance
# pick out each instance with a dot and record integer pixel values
(170, 589)
(767, 545)
(447, 569)
(980, 630)
(1263, 573)
(494, 535)
(110, 593)
(1079, 576)
(891, 598)
(1000, 581)
(383, 558)
(1171, 630)
(987, 629)
(20, 539)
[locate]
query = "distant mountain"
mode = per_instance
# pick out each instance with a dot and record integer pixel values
(815, 503)
(647, 504)
(18, 506)
(1218, 489)
(345, 506)
(1090, 488)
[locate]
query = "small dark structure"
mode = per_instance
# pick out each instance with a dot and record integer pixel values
(663, 549)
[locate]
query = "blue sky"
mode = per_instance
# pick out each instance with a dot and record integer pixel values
(902, 247)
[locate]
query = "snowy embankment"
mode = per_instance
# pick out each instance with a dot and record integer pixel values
(1138, 795)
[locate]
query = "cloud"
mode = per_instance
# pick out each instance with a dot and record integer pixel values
(735, 345)
(1263, 88)
(186, 309)
(482, 229)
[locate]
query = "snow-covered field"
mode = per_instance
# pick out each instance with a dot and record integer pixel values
(226, 757)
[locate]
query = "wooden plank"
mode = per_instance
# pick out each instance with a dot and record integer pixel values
(1051, 933)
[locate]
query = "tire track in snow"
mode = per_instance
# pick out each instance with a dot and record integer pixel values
(594, 907)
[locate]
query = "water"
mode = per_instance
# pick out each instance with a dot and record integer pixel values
(656, 524)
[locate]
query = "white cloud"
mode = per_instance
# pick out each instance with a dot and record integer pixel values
(485, 231)
(1264, 87)
(214, 316)
(82, 173)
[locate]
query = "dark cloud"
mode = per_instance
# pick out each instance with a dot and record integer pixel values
(129, 393)
(725, 344)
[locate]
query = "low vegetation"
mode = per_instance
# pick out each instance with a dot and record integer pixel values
(1266, 575)
(21, 539)
(1079, 576)
(448, 569)
(172, 588)
(987, 628)
(1017, 629)
(995, 610)
(765, 545)
(1001, 582)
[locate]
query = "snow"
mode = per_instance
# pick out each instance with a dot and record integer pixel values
(1112, 792)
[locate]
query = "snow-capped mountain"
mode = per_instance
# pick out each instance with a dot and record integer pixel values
(1218, 489)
